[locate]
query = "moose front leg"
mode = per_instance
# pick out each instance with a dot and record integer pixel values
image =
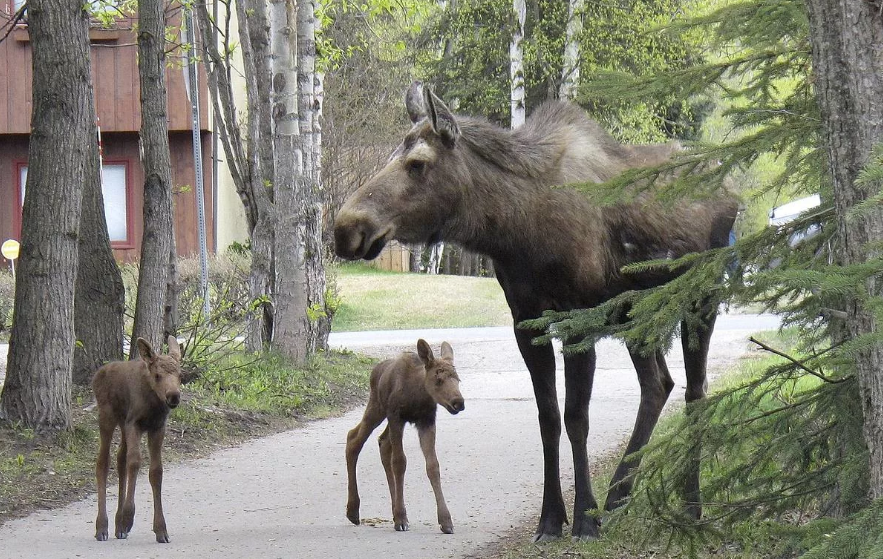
(102, 466)
(154, 445)
(126, 513)
(579, 374)
(540, 361)
(427, 445)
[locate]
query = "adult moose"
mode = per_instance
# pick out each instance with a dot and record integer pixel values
(489, 189)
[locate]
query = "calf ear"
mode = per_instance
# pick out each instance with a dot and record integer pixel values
(414, 102)
(443, 122)
(145, 350)
(447, 352)
(425, 352)
(174, 349)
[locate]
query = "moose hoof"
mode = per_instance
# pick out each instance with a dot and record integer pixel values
(122, 535)
(353, 515)
(542, 538)
(585, 528)
(402, 526)
(101, 536)
(162, 538)
(447, 529)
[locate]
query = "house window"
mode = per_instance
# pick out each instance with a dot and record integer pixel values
(114, 187)
(17, 4)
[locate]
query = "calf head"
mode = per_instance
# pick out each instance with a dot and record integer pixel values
(164, 371)
(442, 381)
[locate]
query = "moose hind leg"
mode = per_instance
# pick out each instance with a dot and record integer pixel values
(579, 371)
(540, 361)
(654, 393)
(427, 445)
(355, 440)
(695, 363)
(398, 463)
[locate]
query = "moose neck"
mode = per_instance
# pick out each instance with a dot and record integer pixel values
(508, 205)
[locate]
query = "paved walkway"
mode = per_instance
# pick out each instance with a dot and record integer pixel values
(284, 495)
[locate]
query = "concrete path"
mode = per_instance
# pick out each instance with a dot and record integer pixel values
(284, 496)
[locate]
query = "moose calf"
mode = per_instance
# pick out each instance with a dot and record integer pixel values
(136, 396)
(406, 390)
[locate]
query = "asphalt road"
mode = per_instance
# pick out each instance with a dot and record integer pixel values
(284, 495)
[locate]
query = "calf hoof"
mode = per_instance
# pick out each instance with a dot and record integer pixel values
(101, 536)
(447, 529)
(402, 526)
(162, 537)
(352, 513)
(122, 535)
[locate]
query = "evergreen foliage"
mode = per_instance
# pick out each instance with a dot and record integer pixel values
(786, 444)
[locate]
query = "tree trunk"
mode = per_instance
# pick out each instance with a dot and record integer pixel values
(570, 70)
(156, 243)
(516, 64)
(290, 336)
(38, 378)
(250, 154)
(312, 196)
(100, 295)
(847, 40)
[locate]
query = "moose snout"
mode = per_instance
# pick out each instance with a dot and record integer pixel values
(457, 405)
(173, 399)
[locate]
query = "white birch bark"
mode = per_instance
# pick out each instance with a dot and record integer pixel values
(516, 65)
(290, 332)
(570, 69)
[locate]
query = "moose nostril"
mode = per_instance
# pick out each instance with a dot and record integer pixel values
(459, 405)
(173, 400)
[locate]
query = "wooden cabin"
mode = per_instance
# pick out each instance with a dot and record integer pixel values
(117, 100)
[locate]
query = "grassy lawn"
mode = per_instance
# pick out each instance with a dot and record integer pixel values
(372, 299)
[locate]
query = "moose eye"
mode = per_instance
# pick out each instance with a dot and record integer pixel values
(416, 167)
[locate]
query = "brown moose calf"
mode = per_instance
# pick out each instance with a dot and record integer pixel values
(406, 390)
(136, 396)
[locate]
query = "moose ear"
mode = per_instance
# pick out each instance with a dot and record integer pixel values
(447, 352)
(425, 352)
(145, 350)
(443, 122)
(414, 102)
(174, 349)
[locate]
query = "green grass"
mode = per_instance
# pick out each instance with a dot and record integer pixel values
(372, 299)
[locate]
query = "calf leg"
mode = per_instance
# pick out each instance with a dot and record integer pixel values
(122, 453)
(102, 466)
(655, 388)
(133, 464)
(399, 463)
(355, 440)
(540, 361)
(695, 363)
(386, 460)
(154, 445)
(427, 445)
(579, 372)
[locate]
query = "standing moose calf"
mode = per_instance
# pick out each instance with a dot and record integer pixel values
(136, 396)
(406, 390)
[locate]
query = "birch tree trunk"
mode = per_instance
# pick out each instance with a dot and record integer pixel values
(156, 242)
(847, 42)
(37, 390)
(570, 70)
(248, 149)
(312, 199)
(291, 301)
(516, 64)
